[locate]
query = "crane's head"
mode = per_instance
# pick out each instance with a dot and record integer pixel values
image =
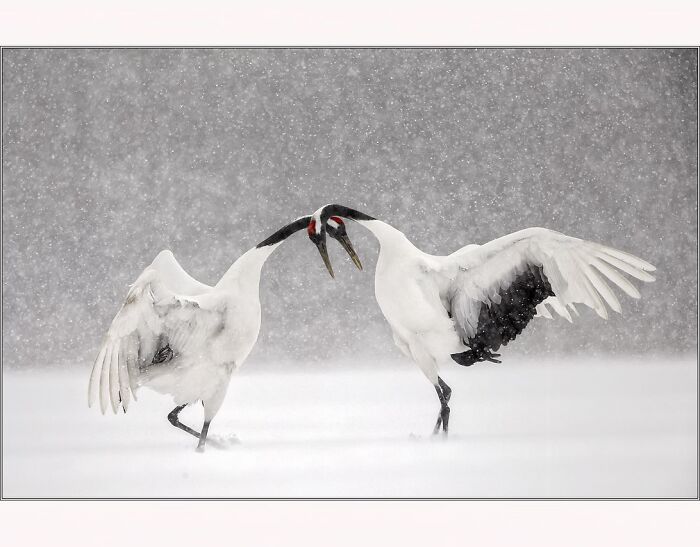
(326, 221)
(334, 227)
(317, 227)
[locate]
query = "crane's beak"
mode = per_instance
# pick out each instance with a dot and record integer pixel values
(323, 251)
(344, 241)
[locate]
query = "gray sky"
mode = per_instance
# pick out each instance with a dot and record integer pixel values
(112, 155)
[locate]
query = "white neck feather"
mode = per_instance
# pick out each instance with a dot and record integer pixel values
(389, 237)
(244, 273)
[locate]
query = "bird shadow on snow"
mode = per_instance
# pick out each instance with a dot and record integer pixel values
(223, 442)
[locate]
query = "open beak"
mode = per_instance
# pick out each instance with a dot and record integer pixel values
(323, 251)
(344, 240)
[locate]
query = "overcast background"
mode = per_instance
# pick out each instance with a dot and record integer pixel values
(110, 156)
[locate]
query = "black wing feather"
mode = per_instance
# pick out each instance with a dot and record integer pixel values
(501, 322)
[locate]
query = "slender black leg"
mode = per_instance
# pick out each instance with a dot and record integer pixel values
(445, 415)
(446, 390)
(172, 418)
(443, 392)
(438, 424)
(203, 437)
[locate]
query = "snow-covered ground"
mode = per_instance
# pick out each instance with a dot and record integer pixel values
(602, 428)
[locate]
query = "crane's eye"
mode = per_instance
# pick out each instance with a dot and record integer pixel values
(311, 230)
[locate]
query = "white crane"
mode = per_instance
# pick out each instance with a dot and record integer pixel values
(184, 338)
(466, 305)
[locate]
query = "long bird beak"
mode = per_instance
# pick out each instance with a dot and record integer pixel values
(344, 241)
(323, 251)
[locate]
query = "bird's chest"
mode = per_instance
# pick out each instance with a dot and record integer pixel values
(239, 333)
(408, 297)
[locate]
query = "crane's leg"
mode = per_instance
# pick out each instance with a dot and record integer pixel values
(173, 419)
(211, 407)
(438, 424)
(444, 392)
(203, 437)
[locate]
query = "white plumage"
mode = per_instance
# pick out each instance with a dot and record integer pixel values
(572, 266)
(153, 316)
(181, 337)
(465, 305)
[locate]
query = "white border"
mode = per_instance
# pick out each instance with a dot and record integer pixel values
(356, 22)
(361, 22)
(352, 524)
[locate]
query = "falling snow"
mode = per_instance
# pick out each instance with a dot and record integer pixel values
(110, 156)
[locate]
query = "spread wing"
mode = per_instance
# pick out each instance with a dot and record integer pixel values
(152, 319)
(175, 277)
(501, 285)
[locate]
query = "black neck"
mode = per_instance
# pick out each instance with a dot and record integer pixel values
(284, 232)
(342, 211)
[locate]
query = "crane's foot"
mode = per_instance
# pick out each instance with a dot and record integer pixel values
(476, 355)
(438, 424)
(443, 421)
